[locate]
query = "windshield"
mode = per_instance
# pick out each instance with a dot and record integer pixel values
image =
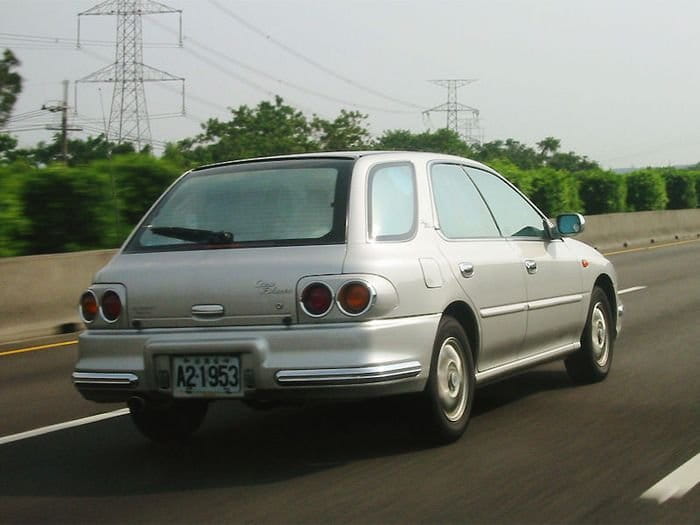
(273, 203)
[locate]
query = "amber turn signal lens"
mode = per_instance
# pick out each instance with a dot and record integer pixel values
(317, 299)
(111, 306)
(355, 298)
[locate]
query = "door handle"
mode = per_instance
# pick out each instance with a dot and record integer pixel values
(530, 266)
(466, 269)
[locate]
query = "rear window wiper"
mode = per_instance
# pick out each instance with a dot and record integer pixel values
(193, 234)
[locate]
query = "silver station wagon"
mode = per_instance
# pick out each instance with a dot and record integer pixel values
(341, 275)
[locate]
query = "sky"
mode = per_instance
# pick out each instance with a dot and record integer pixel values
(615, 80)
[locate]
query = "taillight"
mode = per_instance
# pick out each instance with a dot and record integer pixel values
(355, 298)
(317, 299)
(111, 306)
(88, 307)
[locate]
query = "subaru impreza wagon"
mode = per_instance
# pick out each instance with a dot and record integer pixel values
(341, 275)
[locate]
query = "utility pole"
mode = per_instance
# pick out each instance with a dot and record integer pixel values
(64, 129)
(128, 116)
(468, 128)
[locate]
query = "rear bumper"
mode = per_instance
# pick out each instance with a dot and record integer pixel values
(348, 376)
(361, 359)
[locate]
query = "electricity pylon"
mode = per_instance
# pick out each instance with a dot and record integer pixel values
(468, 128)
(128, 115)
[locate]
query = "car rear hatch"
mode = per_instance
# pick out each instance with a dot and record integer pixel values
(227, 244)
(238, 287)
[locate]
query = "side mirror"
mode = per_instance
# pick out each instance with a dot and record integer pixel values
(570, 223)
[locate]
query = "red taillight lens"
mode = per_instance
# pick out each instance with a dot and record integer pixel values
(317, 299)
(111, 306)
(355, 298)
(88, 306)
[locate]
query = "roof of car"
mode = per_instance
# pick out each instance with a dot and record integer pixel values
(334, 155)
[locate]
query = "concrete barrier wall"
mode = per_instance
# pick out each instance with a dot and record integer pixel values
(39, 294)
(621, 230)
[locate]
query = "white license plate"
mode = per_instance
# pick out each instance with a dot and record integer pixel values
(206, 375)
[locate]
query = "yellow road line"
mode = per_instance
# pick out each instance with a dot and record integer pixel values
(34, 348)
(654, 247)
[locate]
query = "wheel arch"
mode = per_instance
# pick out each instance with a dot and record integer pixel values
(605, 283)
(465, 316)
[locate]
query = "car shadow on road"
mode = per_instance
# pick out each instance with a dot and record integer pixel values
(237, 446)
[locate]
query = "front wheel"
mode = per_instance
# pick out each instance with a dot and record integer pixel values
(175, 421)
(450, 389)
(591, 363)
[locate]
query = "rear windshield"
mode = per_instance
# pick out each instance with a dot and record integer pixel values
(273, 203)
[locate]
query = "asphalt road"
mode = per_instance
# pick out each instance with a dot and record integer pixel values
(538, 449)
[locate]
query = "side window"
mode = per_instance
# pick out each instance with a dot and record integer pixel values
(514, 215)
(460, 209)
(392, 202)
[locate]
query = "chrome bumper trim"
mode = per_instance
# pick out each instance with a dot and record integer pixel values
(101, 379)
(348, 376)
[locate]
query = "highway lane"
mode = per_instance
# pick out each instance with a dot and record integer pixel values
(537, 449)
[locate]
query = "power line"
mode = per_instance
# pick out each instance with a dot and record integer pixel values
(41, 40)
(268, 76)
(309, 60)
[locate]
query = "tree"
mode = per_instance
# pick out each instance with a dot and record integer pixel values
(570, 162)
(80, 152)
(517, 153)
(10, 85)
(440, 141)
(271, 128)
(347, 132)
(8, 145)
(548, 146)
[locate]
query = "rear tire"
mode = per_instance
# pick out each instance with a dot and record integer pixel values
(175, 421)
(450, 390)
(591, 363)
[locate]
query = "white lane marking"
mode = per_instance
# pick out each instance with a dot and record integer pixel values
(62, 426)
(628, 290)
(677, 484)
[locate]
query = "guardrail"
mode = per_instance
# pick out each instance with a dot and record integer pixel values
(39, 293)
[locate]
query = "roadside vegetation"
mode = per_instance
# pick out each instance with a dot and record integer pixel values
(94, 197)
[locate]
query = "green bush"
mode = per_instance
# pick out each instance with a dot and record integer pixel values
(646, 190)
(13, 223)
(521, 178)
(602, 192)
(680, 188)
(554, 192)
(67, 209)
(136, 181)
